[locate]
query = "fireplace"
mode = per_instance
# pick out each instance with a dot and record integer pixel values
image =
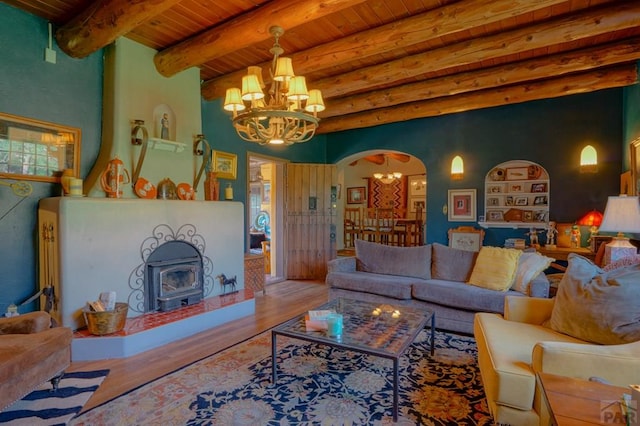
(173, 277)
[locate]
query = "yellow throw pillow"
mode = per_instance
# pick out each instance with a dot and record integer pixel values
(495, 268)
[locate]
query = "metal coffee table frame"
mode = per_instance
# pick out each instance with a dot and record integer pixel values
(382, 335)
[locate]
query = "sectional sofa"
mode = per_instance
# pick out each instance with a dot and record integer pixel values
(437, 278)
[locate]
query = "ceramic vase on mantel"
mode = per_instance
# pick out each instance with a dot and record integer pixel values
(211, 187)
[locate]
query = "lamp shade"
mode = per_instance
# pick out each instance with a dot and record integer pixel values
(284, 69)
(233, 100)
(593, 218)
(315, 103)
(622, 214)
(297, 89)
(251, 89)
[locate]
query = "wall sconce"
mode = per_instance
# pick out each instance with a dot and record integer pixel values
(457, 168)
(588, 160)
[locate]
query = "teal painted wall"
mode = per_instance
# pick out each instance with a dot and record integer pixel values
(69, 93)
(550, 132)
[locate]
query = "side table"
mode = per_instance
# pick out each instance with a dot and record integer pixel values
(577, 402)
(561, 253)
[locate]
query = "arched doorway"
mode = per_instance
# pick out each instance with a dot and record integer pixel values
(355, 176)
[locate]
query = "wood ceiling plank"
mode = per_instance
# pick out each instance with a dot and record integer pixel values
(582, 26)
(567, 85)
(103, 22)
(536, 69)
(247, 29)
(429, 25)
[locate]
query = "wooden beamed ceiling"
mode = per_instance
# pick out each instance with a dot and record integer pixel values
(376, 61)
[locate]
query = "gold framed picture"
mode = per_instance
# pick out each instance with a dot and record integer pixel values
(225, 164)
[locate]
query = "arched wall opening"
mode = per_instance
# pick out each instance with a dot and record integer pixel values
(355, 170)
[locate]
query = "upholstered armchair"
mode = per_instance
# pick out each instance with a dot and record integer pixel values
(31, 352)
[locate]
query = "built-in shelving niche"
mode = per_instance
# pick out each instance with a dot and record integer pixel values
(516, 195)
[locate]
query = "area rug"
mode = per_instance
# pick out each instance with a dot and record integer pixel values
(44, 407)
(317, 385)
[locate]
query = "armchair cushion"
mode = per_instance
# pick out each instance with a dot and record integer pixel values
(598, 306)
(32, 322)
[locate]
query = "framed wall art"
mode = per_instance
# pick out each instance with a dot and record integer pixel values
(462, 205)
(635, 166)
(466, 238)
(417, 186)
(356, 195)
(37, 150)
(225, 164)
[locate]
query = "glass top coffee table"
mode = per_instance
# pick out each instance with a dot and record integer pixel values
(371, 328)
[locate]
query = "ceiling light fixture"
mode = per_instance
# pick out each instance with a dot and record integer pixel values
(288, 115)
(389, 177)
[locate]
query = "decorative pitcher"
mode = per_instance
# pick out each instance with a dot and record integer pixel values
(114, 178)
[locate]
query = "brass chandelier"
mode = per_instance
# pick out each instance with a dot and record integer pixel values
(288, 115)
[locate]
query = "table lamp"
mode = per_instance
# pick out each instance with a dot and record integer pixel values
(622, 214)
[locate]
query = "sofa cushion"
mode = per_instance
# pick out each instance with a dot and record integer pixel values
(598, 306)
(460, 295)
(451, 264)
(495, 268)
(403, 261)
(395, 287)
(530, 265)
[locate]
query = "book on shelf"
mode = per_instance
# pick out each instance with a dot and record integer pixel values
(517, 243)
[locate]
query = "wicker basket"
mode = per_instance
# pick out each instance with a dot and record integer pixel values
(107, 322)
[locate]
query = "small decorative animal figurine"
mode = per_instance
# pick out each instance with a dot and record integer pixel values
(227, 282)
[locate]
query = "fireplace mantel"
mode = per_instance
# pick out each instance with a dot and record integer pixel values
(90, 245)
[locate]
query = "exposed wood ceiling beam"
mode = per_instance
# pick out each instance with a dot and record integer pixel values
(427, 26)
(519, 72)
(103, 21)
(580, 26)
(567, 85)
(243, 31)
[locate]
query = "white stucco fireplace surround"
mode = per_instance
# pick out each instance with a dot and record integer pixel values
(91, 245)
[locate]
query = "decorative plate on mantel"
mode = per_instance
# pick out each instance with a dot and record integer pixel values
(145, 189)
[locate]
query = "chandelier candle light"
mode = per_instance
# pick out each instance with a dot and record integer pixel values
(288, 115)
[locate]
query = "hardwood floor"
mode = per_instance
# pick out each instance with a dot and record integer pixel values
(281, 302)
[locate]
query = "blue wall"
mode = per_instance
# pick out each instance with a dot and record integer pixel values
(68, 93)
(550, 132)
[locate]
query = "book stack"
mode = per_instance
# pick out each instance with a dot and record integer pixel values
(317, 320)
(517, 243)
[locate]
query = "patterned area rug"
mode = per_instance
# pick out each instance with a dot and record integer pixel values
(43, 407)
(317, 385)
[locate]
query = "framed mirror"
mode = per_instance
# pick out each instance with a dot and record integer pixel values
(37, 150)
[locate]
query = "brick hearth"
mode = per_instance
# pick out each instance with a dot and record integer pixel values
(151, 330)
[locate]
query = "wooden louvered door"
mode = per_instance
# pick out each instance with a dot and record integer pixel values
(310, 219)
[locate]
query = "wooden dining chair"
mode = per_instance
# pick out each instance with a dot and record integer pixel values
(368, 224)
(352, 225)
(385, 226)
(414, 229)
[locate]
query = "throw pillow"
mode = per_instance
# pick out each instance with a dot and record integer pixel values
(451, 264)
(596, 305)
(530, 265)
(495, 268)
(404, 261)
